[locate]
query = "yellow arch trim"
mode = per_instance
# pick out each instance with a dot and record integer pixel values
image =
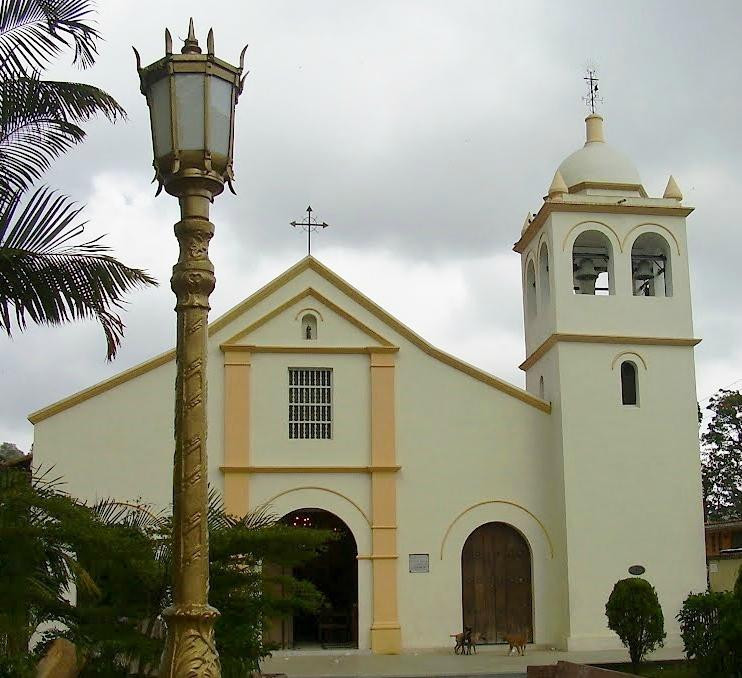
(653, 225)
(623, 353)
(592, 221)
(313, 310)
(321, 489)
(497, 501)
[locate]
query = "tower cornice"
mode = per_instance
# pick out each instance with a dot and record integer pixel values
(646, 206)
(603, 339)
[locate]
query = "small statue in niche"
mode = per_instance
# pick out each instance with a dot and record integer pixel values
(308, 333)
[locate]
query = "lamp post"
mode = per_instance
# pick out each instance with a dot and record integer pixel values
(191, 98)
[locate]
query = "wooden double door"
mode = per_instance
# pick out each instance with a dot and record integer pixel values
(496, 583)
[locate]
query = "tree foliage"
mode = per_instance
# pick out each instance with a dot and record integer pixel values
(711, 629)
(635, 615)
(722, 457)
(39, 530)
(47, 274)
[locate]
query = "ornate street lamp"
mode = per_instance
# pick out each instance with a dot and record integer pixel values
(191, 98)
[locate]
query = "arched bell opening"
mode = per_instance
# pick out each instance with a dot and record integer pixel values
(496, 581)
(592, 264)
(651, 270)
(543, 275)
(334, 572)
(531, 289)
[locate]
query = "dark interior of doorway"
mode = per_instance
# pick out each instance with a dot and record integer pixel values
(335, 573)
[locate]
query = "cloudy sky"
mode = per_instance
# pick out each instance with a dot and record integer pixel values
(422, 132)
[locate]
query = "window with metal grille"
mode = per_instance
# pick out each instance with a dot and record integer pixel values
(310, 403)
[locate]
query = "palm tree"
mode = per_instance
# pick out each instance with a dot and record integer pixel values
(47, 274)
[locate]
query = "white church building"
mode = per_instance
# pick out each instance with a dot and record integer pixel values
(463, 500)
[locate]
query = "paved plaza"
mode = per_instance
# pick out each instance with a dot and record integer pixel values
(489, 661)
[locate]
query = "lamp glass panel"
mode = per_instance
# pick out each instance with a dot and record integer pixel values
(159, 111)
(220, 114)
(189, 110)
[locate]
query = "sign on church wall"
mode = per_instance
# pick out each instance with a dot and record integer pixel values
(419, 562)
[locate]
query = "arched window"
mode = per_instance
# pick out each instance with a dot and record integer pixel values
(592, 264)
(629, 386)
(541, 387)
(309, 327)
(531, 289)
(543, 275)
(651, 272)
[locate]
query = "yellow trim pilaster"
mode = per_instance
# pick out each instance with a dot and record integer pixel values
(237, 430)
(386, 634)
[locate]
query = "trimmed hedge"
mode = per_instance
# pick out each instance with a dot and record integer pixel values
(634, 613)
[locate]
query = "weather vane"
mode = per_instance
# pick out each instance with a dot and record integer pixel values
(311, 225)
(592, 97)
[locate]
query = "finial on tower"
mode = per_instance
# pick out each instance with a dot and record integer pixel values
(558, 187)
(190, 44)
(526, 223)
(672, 190)
(592, 97)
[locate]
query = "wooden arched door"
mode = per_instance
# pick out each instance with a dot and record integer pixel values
(496, 591)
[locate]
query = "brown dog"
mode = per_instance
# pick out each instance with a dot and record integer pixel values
(517, 641)
(466, 641)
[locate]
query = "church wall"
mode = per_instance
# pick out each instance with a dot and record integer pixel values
(118, 444)
(632, 481)
(350, 443)
(461, 443)
(548, 369)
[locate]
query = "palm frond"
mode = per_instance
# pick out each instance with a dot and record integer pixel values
(258, 518)
(46, 279)
(39, 122)
(137, 516)
(33, 32)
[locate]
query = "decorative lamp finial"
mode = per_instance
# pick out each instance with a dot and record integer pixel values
(558, 187)
(190, 45)
(672, 190)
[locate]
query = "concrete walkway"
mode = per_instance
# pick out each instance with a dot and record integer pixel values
(491, 660)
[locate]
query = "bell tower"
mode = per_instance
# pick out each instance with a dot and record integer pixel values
(609, 341)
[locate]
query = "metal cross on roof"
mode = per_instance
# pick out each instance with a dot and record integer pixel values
(592, 97)
(310, 225)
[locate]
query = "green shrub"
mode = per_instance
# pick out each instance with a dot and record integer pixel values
(17, 667)
(635, 615)
(711, 628)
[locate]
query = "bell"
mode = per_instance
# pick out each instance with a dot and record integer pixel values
(644, 270)
(586, 270)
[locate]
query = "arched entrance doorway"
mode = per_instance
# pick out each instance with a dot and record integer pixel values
(497, 596)
(335, 573)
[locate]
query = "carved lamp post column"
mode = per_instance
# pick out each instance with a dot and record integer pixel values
(191, 98)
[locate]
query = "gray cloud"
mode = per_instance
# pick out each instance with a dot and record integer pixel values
(423, 132)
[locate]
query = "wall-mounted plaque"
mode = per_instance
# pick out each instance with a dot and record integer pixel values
(637, 570)
(419, 562)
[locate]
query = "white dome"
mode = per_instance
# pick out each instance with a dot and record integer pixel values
(597, 162)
